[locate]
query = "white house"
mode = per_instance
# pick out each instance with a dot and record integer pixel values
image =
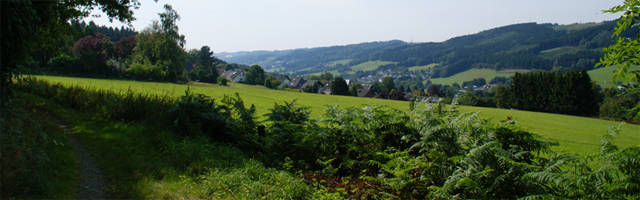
(234, 76)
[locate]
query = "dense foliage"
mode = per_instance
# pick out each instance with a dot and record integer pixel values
(518, 46)
(570, 93)
(427, 152)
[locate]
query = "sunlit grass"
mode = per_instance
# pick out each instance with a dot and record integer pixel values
(418, 68)
(576, 134)
(469, 75)
(368, 66)
(601, 75)
(142, 161)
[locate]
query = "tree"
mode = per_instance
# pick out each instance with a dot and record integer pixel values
(624, 53)
(222, 81)
(124, 47)
(313, 88)
(90, 51)
(206, 57)
(255, 75)
(387, 84)
(28, 26)
(353, 90)
(326, 76)
(271, 82)
(468, 99)
(161, 45)
(339, 86)
(502, 97)
(171, 46)
(434, 90)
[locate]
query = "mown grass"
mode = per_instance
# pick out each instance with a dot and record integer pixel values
(418, 68)
(368, 66)
(469, 75)
(144, 161)
(552, 53)
(579, 135)
(344, 62)
(601, 75)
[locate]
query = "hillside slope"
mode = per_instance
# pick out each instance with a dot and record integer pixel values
(518, 46)
(576, 134)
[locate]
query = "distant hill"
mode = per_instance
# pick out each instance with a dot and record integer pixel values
(519, 46)
(310, 60)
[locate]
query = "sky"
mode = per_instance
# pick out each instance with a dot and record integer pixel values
(249, 25)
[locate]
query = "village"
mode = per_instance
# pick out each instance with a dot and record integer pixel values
(368, 90)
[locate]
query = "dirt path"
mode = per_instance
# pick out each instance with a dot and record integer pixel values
(92, 183)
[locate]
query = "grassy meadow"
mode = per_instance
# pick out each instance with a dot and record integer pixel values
(552, 53)
(469, 75)
(418, 68)
(576, 134)
(368, 66)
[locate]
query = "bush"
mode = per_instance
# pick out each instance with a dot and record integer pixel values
(37, 160)
(63, 63)
(620, 107)
(286, 140)
(468, 99)
(222, 81)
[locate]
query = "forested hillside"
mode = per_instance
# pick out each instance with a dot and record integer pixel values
(518, 46)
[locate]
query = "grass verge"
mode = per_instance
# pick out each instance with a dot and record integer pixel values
(143, 161)
(37, 159)
(580, 135)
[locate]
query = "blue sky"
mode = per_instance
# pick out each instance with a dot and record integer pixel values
(247, 25)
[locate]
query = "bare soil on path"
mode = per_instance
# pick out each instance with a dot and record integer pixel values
(91, 184)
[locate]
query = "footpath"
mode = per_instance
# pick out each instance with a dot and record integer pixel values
(92, 183)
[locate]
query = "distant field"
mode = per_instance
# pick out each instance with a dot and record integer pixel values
(513, 71)
(371, 65)
(344, 62)
(468, 75)
(334, 72)
(418, 68)
(274, 69)
(575, 134)
(552, 53)
(576, 26)
(601, 75)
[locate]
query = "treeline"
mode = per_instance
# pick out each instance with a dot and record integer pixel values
(114, 34)
(570, 93)
(518, 46)
(155, 54)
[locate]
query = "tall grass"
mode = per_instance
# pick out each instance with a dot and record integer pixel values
(111, 105)
(37, 159)
(144, 155)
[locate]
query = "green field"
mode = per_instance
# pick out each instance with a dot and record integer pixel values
(368, 66)
(344, 62)
(576, 26)
(552, 53)
(601, 75)
(469, 75)
(575, 134)
(418, 68)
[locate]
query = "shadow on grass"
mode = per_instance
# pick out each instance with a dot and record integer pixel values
(144, 161)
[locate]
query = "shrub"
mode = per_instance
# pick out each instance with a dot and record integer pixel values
(37, 160)
(222, 81)
(287, 138)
